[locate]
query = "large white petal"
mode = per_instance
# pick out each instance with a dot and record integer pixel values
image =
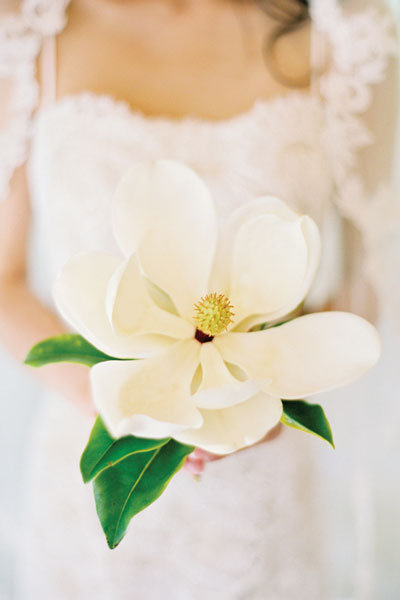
(80, 293)
(148, 398)
(313, 242)
(131, 309)
(219, 388)
(164, 211)
(265, 205)
(269, 266)
(307, 355)
(229, 429)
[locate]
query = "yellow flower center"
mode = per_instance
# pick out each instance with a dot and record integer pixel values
(213, 314)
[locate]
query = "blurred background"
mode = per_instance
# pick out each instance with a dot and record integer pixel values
(360, 481)
(359, 489)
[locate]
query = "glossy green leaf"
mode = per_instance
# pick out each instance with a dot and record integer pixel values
(103, 451)
(68, 347)
(307, 417)
(134, 483)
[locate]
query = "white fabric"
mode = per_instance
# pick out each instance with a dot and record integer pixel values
(360, 123)
(21, 34)
(248, 529)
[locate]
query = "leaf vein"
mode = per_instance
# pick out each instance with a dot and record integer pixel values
(133, 488)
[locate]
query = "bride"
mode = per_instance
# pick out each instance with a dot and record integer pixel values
(258, 97)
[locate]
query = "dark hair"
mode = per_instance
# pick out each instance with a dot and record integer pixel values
(289, 16)
(290, 13)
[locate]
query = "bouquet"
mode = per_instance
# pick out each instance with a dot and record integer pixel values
(190, 335)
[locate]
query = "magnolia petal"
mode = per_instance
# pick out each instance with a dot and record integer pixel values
(229, 429)
(80, 295)
(131, 310)
(164, 211)
(307, 355)
(265, 205)
(160, 298)
(148, 398)
(218, 388)
(269, 265)
(313, 242)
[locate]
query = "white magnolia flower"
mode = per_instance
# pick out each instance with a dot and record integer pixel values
(183, 302)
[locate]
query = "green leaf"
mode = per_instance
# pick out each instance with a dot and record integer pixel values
(307, 417)
(103, 451)
(268, 326)
(134, 483)
(68, 347)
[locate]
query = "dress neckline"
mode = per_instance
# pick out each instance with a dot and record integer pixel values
(103, 104)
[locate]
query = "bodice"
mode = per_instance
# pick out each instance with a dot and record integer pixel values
(82, 144)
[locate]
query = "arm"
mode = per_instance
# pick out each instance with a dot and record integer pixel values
(24, 321)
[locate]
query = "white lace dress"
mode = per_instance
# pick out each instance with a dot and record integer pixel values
(249, 530)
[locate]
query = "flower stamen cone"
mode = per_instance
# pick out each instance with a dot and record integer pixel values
(213, 314)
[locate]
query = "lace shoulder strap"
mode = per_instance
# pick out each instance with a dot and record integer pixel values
(46, 17)
(360, 40)
(357, 66)
(21, 35)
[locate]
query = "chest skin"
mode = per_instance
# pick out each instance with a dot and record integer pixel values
(207, 61)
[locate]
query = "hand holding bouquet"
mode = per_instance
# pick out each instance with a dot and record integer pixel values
(188, 338)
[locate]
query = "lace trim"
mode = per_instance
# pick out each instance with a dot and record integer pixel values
(358, 58)
(102, 105)
(46, 17)
(358, 61)
(20, 40)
